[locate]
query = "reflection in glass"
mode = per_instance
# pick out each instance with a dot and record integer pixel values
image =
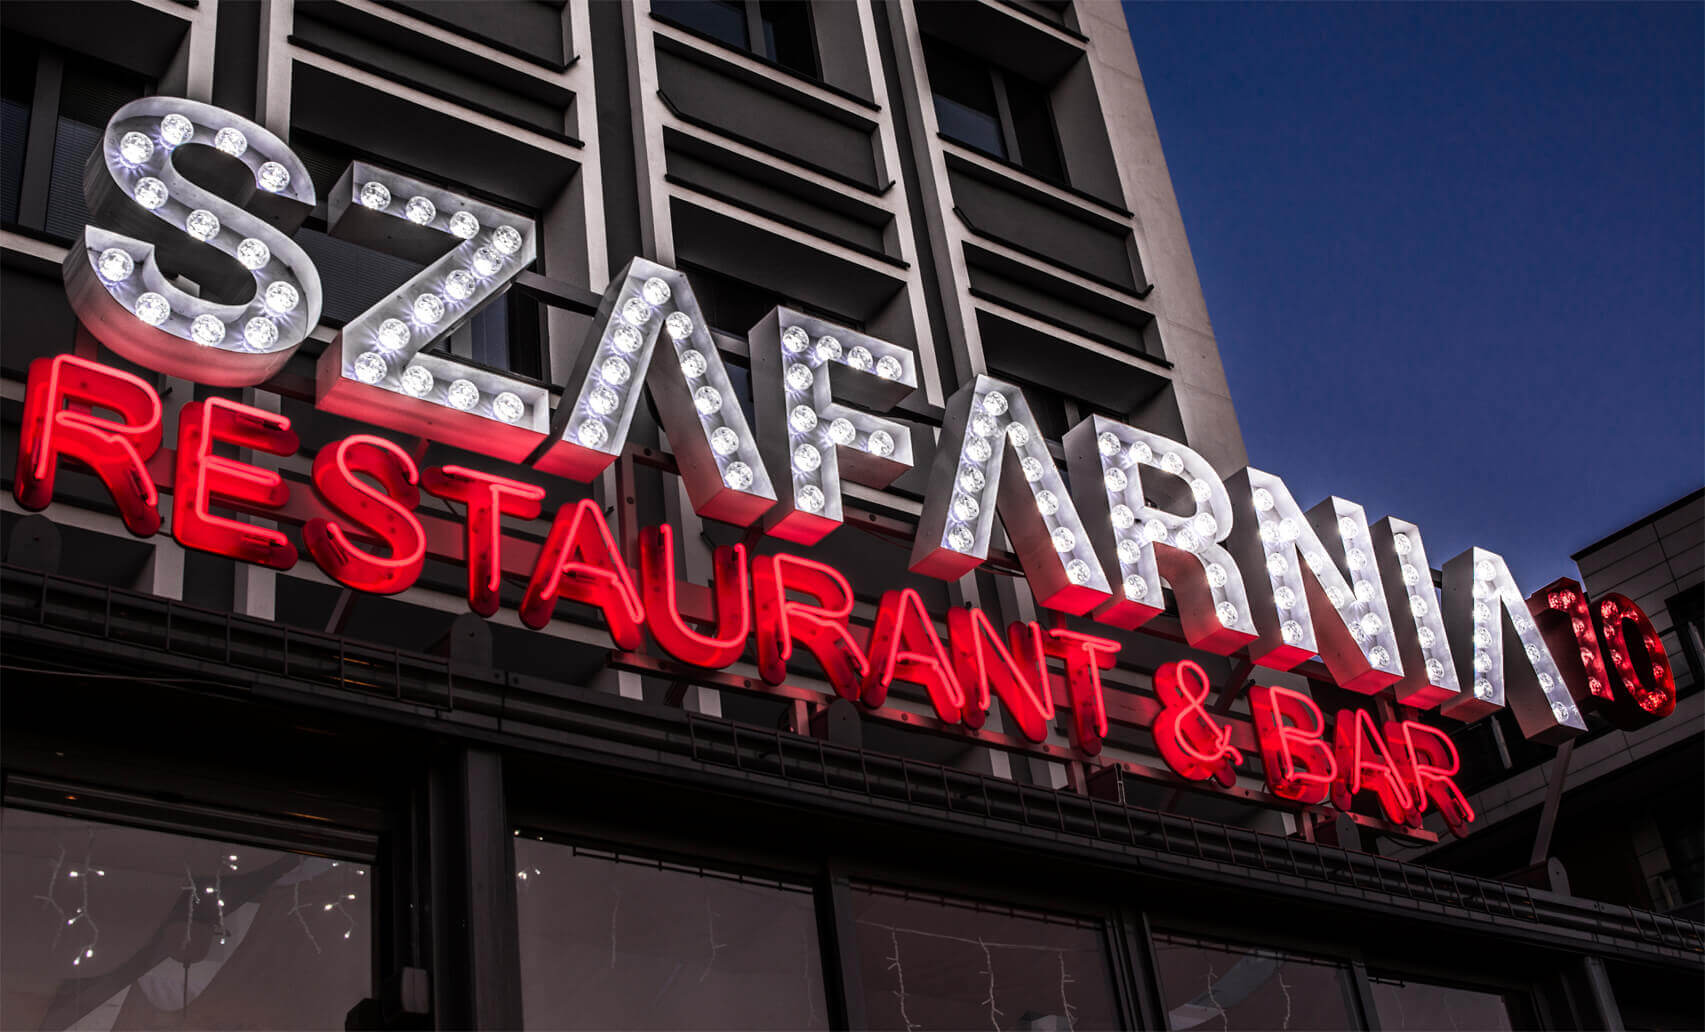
(1423, 1005)
(624, 943)
(929, 963)
(1218, 986)
(113, 927)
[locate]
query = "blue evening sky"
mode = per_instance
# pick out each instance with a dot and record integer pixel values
(1452, 253)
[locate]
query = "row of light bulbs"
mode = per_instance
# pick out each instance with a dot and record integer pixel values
(808, 434)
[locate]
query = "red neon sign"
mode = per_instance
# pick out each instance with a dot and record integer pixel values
(387, 515)
(117, 451)
(1365, 763)
(1190, 740)
(204, 478)
(1300, 766)
(905, 647)
(821, 626)
(489, 498)
(663, 611)
(580, 562)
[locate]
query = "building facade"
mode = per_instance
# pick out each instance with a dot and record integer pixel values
(238, 795)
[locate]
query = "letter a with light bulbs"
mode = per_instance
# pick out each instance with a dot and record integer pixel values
(1145, 536)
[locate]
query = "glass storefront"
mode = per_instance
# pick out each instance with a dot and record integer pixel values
(1220, 986)
(115, 927)
(623, 942)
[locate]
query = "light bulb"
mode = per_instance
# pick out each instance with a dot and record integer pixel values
(1401, 544)
(1348, 528)
(1206, 525)
(1485, 569)
(965, 507)
(614, 370)
(417, 380)
(794, 339)
(635, 312)
(708, 400)
(592, 434)
(1115, 480)
(1435, 671)
(231, 141)
(1077, 571)
(1284, 596)
(1187, 539)
(486, 261)
(150, 193)
(1419, 606)
(1047, 503)
(802, 419)
(253, 253)
(1129, 551)
(1227, 613)
(602, 400)
(508, 407)
(841, 431)
(1277, 564)
(1135, 587)
(282, 297)
(1018, 434)
(880, 443)
(806, 458)
(393, 335)
(462, 394)
(625, 338)
(460, 284)
(655, 291)
(506, 239)
(1263, 500)
(176, 130)
(971, 479)
(995, 403)
(1201, 490)
(984, 425)
(1217, 575)
(1154, 530)
(371, 367)
(959, 539)
(465, 225)
(1425, 636)
(1122, 515)
(1172, 462)
(828, 349)
(1108, 442)
(738, 475)
(889, 368)
(1141, 452)
(724, 441)
(859, 357)
(420, 210)
(1411, 575)
(809, 498)
(977, 449)
(135, 147)
(1291, 631)
(153, 308)
(679, 325)
(693, 363)
(799, 376)
(375, 195)
(207, 330)
(1371, 624)
(1032, 468)
(115, 264)
(260, 333)
(1063, 538)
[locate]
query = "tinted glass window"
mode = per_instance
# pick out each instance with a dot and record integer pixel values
(787, 34)
(964, 98)
(1423, 1005)
(17, 88)
(724, 20)
(929, 963)
(113, 927)
(621, 943)
(1033, 127)
(1217, 986)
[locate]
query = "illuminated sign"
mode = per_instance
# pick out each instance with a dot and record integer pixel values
(1250, 572)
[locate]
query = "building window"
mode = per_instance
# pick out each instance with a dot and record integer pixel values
(1687, 615)
(1219, 986)
(114, 927)
(620, 942)
(778, 30)
(994, 110)
(78, 95)
(935, 963)
(1403, 1004)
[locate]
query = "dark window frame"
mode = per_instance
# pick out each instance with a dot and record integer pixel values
(1001, 84)
(756, 43)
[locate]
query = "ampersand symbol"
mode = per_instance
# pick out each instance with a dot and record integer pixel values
(1191, 741)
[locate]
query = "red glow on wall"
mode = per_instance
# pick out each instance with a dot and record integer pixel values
(1190, 739)
(115, 450)
(820, 626)
(905, 647)
(1429, 757)
(984, 664)
(205, 478)
(663, 612)
(1365, 763)
(1638, 663)
(580, 562)
(386, 514)
(489, 498)
(1288, 727)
